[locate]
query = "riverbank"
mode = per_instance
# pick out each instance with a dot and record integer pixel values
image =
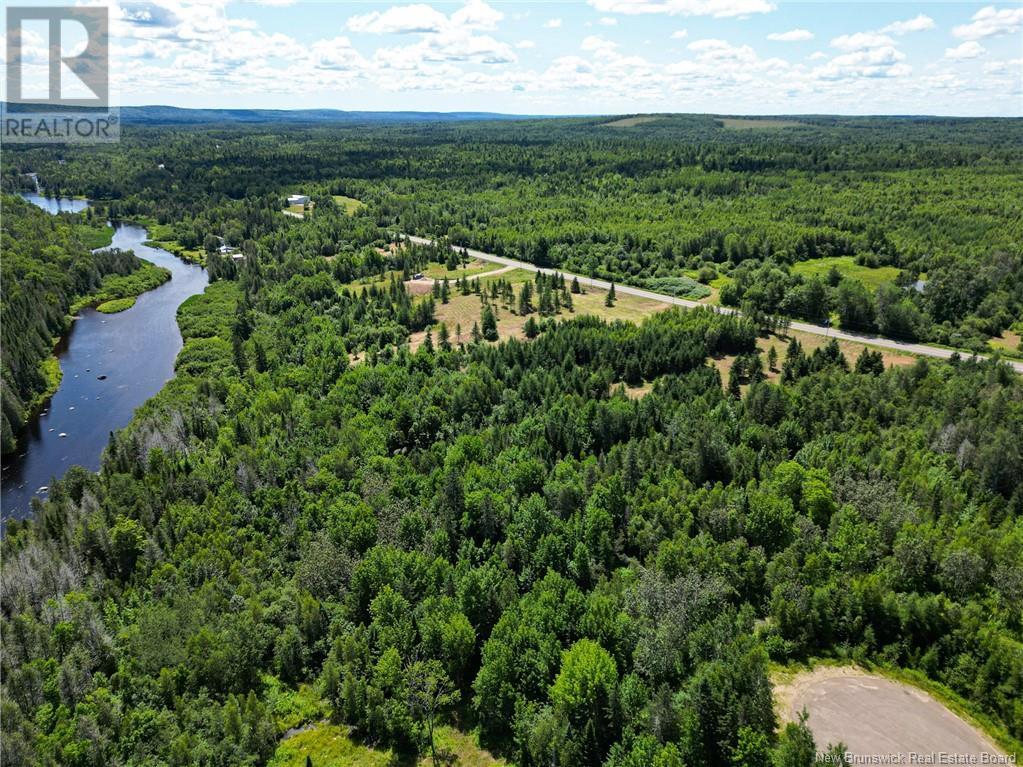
(109, 365)
(162, 236)
(117, 287)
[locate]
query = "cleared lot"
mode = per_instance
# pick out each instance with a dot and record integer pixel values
(873, 715)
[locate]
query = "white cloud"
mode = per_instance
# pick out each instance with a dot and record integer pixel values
(1014, 66)
(919, 23)
(884, 61)
(792, 36)
(598, 45)
(607, 21)
(680, 34)
(400, 20)
(716, 8)
(476, 14)
(989, 22)
(971, 49)
(817, 56)
(525, 44)
(552, 24)
(861, 41)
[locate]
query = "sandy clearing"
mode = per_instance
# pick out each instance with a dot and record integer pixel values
(875, 716)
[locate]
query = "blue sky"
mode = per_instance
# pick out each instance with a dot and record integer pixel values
(586, 57)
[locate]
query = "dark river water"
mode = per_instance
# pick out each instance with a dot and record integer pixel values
(134, 350)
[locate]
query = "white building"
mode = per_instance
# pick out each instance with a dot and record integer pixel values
(298, 199)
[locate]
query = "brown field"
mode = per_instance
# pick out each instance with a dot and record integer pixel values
(734, 123)
(631, 122)
(850, 349)
(465, 310)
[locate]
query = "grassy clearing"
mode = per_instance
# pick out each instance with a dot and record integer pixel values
(809, 342)
(116, 286)
(1008, 344)
(116, 305)
(350, 205)
(327, 745)
(464, 747)
(93, 237)
(631, 122)
(736, 123)
(474, 268)
(465, 310)
(847, 267)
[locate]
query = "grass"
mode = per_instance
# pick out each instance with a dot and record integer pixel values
(809, 342)
(116, 305)
(116, 286)
(162, 236)
(1008, 344)
(465, 310)
(329, 745)
(464, 747)
(735, 123)
(50, 368)
(350, 204)
(474, 268)
(94, 237)
(872, 277)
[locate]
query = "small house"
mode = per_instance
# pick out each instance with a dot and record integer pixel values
(298, 199)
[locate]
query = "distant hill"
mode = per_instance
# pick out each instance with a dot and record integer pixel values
(168, 115)
(163, 115)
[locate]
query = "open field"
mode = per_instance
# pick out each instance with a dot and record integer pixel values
(631, 122)
(329, 745)
(349, 204)
(872, 277)
(1008, 342)
(465, 310)
(809, 341)
(735, 123)
(876, 716)
(474, 268)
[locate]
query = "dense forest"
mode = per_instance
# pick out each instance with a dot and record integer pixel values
(48, 267)
(934, 201)
(311, 522)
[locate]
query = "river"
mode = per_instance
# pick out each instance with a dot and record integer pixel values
(112, 363)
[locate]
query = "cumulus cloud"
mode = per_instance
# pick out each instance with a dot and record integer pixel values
(716, 8)
(991, 21)
(680, 34)
(1014, 66)
(884, 61)
(861, 41)
(400, 20)
(792, 36)
(552, 24)
(919, 23)
(971, 49)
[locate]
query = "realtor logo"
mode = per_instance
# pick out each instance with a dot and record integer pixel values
(58, 75)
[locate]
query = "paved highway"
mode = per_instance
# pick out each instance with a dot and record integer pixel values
(807, 327)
